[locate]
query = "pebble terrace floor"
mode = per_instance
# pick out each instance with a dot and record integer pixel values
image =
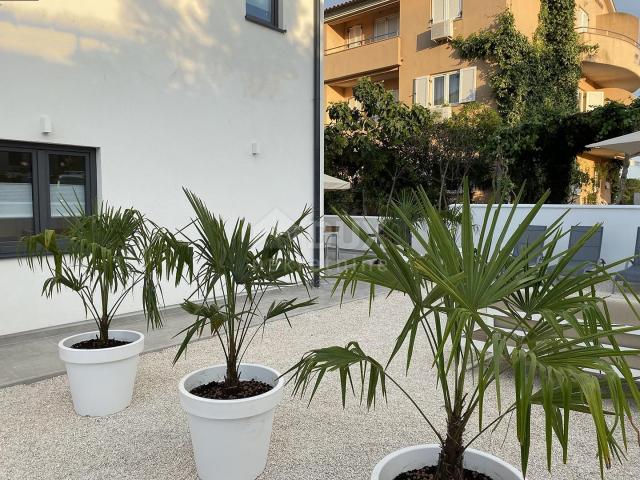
(42, 438)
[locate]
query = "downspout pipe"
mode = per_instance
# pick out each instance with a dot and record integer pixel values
(317, 140)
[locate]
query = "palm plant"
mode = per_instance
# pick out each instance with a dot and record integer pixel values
(102, 257)
(554, 345)
(231, 274)
(392, 225)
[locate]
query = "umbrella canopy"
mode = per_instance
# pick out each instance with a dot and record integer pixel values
(332, 183)
(627, 144)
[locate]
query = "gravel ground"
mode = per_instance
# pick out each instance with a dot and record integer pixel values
(42, 438)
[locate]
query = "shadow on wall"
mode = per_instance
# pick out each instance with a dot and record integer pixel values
(199, 42)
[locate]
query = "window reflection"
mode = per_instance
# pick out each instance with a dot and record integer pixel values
(16, 195)
(67, 180)
(262, 9)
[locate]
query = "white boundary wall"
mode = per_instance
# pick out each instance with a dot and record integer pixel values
(620, 225)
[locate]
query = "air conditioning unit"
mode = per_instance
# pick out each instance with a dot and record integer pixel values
(442, 30)
(444, 111)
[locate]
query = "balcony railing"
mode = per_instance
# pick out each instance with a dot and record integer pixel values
(610, 34)
(361, 43)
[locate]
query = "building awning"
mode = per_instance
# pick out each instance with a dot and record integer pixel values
(333, 183)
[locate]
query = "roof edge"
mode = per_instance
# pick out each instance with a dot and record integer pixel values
(349, 7)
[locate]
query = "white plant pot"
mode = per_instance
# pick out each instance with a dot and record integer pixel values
(420, 456)
(102, 380)
(231, 437)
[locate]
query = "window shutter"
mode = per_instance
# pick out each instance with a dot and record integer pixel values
(580, 100)
(455, 8)
(583, 20)
(355, 36)
(380, 29)
(594, 100)
(393, 25)
(437, 10)
(468, 84)
(421, 91)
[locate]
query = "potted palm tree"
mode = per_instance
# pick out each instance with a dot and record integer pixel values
(478, 306)
(100, 257)
(231, 406)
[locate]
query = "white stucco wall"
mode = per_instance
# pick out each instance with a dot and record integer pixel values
(172, 93)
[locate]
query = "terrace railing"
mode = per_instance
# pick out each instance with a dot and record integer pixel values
(361, 42)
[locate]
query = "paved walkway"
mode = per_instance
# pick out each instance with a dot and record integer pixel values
(33, 356)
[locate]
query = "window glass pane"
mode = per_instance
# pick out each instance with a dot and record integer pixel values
(454, 88)
(262, 9)
(438, 91)
(67, 180)
(16, 195)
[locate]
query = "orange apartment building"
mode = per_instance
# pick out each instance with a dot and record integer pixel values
(406, 45)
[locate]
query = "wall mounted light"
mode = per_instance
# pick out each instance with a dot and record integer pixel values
(255, 148)
(46, 127)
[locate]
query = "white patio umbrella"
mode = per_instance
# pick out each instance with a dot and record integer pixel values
(627, 144)
(333, 183)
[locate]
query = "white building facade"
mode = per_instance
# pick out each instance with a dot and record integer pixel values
(129, 101)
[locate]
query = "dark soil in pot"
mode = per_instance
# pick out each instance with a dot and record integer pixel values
(429, 473)
(220, 391)
(95, 344)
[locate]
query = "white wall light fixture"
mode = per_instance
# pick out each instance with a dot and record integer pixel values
(46, 127)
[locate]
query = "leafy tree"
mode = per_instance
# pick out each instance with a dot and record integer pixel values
(457, 148)
(632, 187)
(385, 147)
(370, 145)
(540, 154)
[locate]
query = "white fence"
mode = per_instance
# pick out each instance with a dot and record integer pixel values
(620, 225)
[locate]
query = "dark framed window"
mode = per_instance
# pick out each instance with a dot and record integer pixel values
(40, 187)
(264, 12)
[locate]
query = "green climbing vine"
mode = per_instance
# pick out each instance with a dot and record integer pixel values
(535, 83)
(531, 77)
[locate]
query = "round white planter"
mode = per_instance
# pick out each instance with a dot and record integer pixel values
(102, 381)
(231, 437)
(412, 458)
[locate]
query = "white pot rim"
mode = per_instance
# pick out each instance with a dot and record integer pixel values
(492, 458)
(231, 409)
(101, 355)
(276, 388)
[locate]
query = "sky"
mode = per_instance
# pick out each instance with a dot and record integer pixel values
(630, 6)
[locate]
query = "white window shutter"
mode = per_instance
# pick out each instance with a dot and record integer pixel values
(355, 36)
(437, 10)
(380, 29)
(594, 100)
(421, 91)
(580, 100)
(468, 84)
(455, 8)
(393, 25)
